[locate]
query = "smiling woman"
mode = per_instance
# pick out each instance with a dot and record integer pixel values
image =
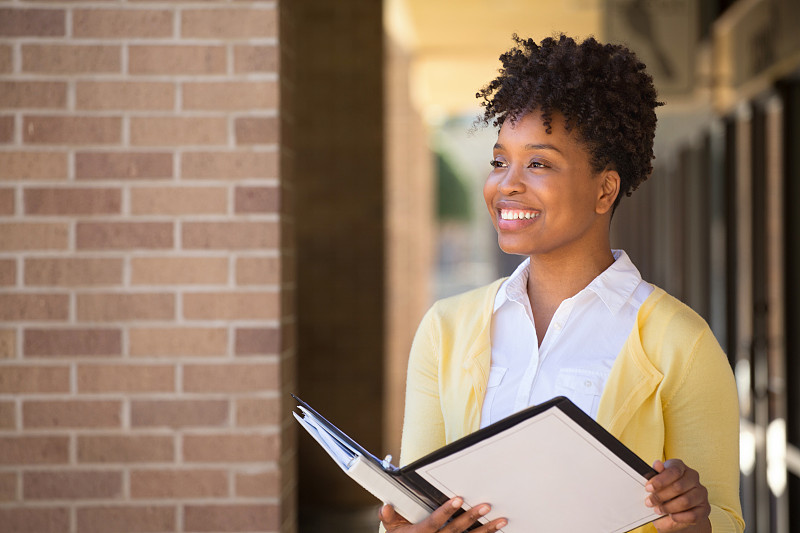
(577, 122)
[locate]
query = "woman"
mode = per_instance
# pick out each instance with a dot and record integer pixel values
(577, 123)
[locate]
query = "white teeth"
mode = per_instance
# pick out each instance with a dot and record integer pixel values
(509, 214)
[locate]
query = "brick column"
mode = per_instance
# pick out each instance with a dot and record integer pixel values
(143, 329)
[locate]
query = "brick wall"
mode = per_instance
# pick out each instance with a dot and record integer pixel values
(144, 331)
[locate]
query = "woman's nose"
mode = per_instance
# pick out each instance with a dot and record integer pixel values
(511, 182)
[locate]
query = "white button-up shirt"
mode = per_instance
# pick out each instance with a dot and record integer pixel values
(582, 341)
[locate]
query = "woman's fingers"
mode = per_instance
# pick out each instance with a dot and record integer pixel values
(390, 518)
(441, 520)
(674, 480)
(676, 491)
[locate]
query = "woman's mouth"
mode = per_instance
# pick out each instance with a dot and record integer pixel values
(518, 214)
(515, 219)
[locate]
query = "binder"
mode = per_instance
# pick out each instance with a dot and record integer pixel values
(550, 467)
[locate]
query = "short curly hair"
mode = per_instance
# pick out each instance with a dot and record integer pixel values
(602, 90)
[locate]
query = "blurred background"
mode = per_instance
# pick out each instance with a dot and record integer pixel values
(207, 206)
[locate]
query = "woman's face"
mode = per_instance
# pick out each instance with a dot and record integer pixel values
(542, 194)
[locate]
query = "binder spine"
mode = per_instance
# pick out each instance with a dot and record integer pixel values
(389, 490)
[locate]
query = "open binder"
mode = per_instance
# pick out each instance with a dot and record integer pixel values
(550, 467)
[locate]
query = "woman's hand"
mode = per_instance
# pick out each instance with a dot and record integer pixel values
(437, 520)
(677, 492)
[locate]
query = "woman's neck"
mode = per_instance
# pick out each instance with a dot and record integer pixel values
(552, 281)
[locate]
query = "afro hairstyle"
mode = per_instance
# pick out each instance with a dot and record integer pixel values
(602, 90)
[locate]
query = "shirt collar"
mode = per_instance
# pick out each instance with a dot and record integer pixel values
(614, 286)
(515, 288)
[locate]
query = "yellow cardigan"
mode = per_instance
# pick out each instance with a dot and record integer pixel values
(670, 393)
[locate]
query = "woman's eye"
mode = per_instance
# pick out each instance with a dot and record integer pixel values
(537, 164)
(497, 164)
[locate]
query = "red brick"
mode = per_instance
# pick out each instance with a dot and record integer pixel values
(8, 486)
(257, 341)
(71, 342)
(173, 60)
(126, 519)
(179, 484)
(34, 380)
(124, 235)
(179, 413)
(37, 94)
(72, 272)
(71, 414)
(177, 131)
(179, 201)
(100, 307)
(8, 416)
(231, 306)
(200, 518)
(33, 166)
(229, 165)
(6, 129)
(8, 343)
(72, 201)
(230, 448)
(256, 130)
(6, 58)
(35, 519)
(257, 412)
(179, 270)
(230, 235)
(257, 200)
(121, 23)
(125, 165)
(7, 203)
(32, 22)
(150, 342)
(8, 272)
(72, 485)
(17, 451)
(71, 130)
(34, 307)
(71, 59)
(260, 58)
(125, 95)
(258, 270)
(126, 449)
(229, 23)
(126, 378)
(258, 485)
(254, 377)
(230, 95)
(17, 236)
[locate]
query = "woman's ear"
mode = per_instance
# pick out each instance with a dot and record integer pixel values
(609, 190)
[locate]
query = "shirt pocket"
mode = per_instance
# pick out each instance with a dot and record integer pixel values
(583, 387)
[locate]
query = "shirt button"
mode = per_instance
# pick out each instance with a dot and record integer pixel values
(587, 383)
(557, 326)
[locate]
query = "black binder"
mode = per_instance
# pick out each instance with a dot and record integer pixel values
(550, 467)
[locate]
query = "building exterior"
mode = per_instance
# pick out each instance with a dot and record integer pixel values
(207, 206)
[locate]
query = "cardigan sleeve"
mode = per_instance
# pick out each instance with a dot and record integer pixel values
(701, 423)
(423, 423)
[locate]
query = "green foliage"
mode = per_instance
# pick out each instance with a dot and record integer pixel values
(453, 195)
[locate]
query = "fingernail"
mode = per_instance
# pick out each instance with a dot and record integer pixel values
(649, 487)
(483, 509)
(501, 524)
(648, 502)
(457, 502)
